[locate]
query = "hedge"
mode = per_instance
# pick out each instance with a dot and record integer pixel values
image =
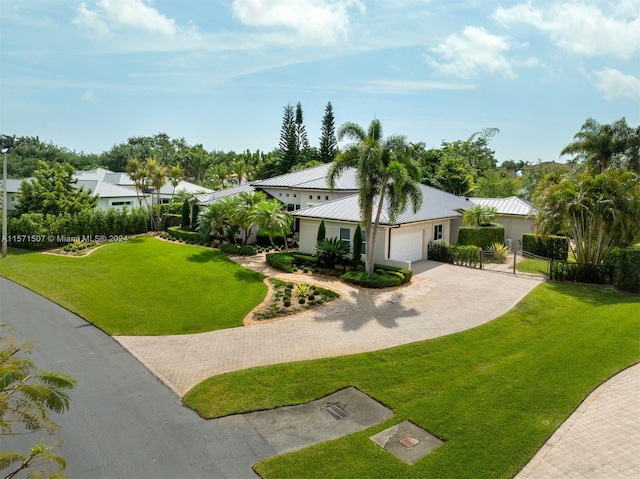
(582, 273)
(301, 259)
(262, 239)
(468, 255)
(554, 247)
(242, 250)
(184, 235)
(481, 236)
(628, 270)
(281, 261)
(406, 273)
(371, 280)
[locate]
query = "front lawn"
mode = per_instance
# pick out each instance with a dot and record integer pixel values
(143, 286)
(494, 394)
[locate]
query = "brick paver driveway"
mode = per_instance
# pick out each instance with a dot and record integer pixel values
(441, 300)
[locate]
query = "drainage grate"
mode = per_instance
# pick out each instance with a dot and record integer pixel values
(335, 412)
(409, 441)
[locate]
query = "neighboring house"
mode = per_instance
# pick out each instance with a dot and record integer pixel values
(13, 186)
(398, 243)
(518, 217)
(110, 195)
(210, 198)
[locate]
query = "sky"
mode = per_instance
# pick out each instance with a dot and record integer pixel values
(89, 74)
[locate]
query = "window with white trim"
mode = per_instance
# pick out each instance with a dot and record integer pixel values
(438, 232)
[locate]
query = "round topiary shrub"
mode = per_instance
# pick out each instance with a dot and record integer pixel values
(287, 303)
(312, 297)
(302, 300)
(305, 270)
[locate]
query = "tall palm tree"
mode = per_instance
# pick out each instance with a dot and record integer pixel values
(387, 176)
(175, 174)
(157, 178)
(598, 145)
(244, 212)
(274, 219)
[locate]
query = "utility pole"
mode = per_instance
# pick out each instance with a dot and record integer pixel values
(4, 201)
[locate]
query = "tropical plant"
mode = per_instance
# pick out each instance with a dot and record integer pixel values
(274, 219)
(157, 175)
(598, 212)
(175, 175)
(499, 251)
(303, 290)
(479, 215)
(244, 211)
(330, 251)
(386, 175)
(27, 395)
(213, 221)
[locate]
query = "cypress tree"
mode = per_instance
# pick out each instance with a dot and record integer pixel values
(357, 246)
(322, 232)
(184, 222)
(194, 216)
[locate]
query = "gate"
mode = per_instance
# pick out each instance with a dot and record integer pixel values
(516, 262)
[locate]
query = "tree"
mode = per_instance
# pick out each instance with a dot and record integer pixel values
(599, 146)
(175, 174)
(53, 191)
(274, 219)
(328, 140)
(598, 212)
(386, 175)
(195, 212)
(245, 208)
(357, 246)
(479, 215)
(497, 184)
(453, 177)
(185, 221)
(302, 140)
(322, 231)
(289, 151)
(157, 175)
(213, 221)
(27, 395)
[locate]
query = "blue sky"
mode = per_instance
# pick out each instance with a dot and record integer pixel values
(90, 74)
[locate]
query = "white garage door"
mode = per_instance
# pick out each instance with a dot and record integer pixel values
(406, 245)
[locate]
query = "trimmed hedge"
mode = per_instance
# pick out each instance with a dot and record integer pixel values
(628, 270)
(184, 235)
(301, 259)
(242, 250)
(468, 255)
(262, 239)
(281, 261)
(406, 273)
(582, 273)
(371, 280)
(481, 236)
(554, 247)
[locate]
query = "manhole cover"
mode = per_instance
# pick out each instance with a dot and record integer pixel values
(409, 441)
(335, 412)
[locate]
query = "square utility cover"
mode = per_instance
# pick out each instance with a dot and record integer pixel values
(407, 441)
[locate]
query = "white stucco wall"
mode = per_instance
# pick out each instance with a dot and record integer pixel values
(515, 227)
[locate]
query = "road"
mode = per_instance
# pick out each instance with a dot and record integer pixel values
(122, 423)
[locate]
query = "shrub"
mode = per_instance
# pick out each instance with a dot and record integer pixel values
(184, 235)
(628, 270)
(302, 300)
(305, 270)
(243, 250)
(554, 247)
(331, 251)
(262, 238)
(499, 251)
(371, 280)
(301, 259)
(481, 236)
(357, 247)
(442, 252)
(581, 273)
(281, 261)
(287, 303)
(322, 231)
(185, 221)
(406, 273)
(468, 255)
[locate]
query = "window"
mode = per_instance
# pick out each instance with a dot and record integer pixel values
(310, 197)
(437, 232)
(345, 236)
(287, 195)
(326, 198)
(295, 196)
(120, 203)
(279, 194)
(318, 196)
(291, 207)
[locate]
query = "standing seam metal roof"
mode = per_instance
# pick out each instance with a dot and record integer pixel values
(508, 206)
(314, 178)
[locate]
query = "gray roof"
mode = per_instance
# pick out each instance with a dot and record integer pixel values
(314, 178)
(211, 198)
(508, 206)
(436, 204)
(106, 190)
(13, 184)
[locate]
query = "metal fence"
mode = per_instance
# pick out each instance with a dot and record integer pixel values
(516, 262)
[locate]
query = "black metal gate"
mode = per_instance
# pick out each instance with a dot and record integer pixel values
(516, 262)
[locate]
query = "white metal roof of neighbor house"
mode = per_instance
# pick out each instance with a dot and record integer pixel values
(508, 206)
(211, 198)
(189, 187)
(106, 190)
(13, 184)
(314, 178)
(436, 204)
(123, 179)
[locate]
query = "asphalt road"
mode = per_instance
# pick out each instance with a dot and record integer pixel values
(122, 423)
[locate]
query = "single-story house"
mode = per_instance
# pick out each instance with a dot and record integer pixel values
(398, 243)
(13, 186)
(518, 216)
(110, 195)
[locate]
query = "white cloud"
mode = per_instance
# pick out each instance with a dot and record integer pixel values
(582, 27)
(616, 84)
(314, 21)
(118, 14)
(473, 51)
(403, 87)
(88, 96)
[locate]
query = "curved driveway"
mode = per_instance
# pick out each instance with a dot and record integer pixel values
(442, 299)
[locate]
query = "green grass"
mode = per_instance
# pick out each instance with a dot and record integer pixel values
(143, 286)
(494, 394)
(533, 266)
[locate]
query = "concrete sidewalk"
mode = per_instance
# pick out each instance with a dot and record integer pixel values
(442, 299)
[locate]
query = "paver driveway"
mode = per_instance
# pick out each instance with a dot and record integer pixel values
(442, 299)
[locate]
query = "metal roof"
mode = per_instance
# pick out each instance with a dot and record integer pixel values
(13, 184)
(507, 206)
(436, 204)
(314, 178)
(106, 190)
(211, 198)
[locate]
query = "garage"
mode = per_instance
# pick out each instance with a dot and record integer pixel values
(406, 245)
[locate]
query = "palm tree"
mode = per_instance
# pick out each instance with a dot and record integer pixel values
(244, 211)
(274, 219)
(157, 179)
(479, 215)
(386, 175)
(175, 174)
(598, 145)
